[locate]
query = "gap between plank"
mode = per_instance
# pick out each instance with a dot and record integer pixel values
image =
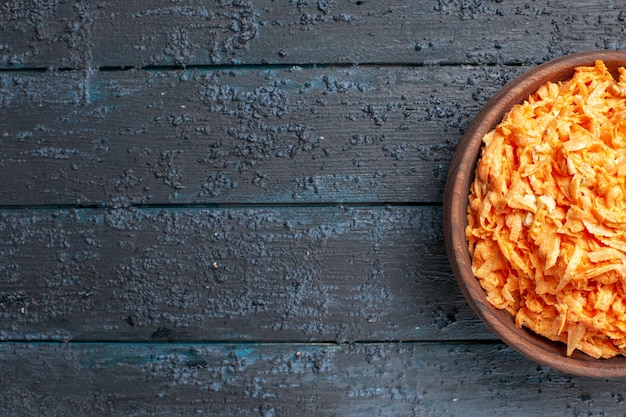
(473, 342)
(217, 206)
(281, 66)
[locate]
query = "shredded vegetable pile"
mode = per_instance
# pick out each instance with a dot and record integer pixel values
(547, 213)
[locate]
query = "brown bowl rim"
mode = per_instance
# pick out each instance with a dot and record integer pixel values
(461, 173)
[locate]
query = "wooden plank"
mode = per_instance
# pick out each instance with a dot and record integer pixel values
(43, 34)
(319, 273)
(418, 379)
(289, 135)
(148, 32)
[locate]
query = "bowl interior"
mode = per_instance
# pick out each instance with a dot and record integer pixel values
(461, 174)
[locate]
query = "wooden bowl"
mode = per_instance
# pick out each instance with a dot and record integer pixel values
(461, 174)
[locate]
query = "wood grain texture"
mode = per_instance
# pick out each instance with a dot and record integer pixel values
(293, 135)
(301, 274)
(418, 379)
(172, 241)
(85, 35)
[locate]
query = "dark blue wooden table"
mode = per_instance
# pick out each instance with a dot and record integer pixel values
(233, 207)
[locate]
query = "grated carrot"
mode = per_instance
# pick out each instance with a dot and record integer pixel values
(547, 213)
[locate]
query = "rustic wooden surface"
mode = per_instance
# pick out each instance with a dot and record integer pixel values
(234, 207)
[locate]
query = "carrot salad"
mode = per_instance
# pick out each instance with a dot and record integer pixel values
(547, 213)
